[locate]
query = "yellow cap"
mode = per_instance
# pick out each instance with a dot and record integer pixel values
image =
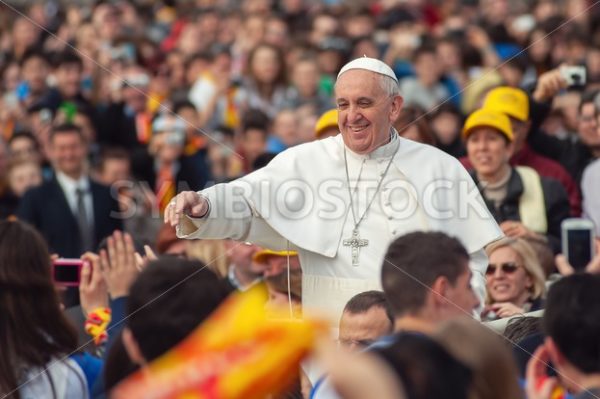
(262, 255)
(327, 120)
(508, 100)
(488, 118)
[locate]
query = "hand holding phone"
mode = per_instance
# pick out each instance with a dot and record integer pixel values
(578, 242)
(67, 272)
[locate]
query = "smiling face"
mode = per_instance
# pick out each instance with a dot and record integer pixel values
(503, 286)
(366, 112)
(68, 153)
(588, 125)
(488, 151)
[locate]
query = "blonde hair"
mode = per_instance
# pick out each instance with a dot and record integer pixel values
(212, 252)
(531, 263)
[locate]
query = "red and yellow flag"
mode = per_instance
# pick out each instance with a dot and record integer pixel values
(236, 353)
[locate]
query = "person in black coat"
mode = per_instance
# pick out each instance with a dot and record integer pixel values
(71, 211)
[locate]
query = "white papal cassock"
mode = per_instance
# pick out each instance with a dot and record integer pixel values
(301, 201)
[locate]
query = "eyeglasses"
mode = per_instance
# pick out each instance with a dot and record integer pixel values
(506, 267)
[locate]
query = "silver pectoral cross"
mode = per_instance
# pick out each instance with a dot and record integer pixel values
(356, 243)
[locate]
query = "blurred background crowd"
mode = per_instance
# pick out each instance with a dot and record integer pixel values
(108, 109)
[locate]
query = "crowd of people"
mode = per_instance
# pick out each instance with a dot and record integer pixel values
(400, 168)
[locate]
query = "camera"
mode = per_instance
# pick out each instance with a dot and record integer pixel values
(575, 76)
(67, 272)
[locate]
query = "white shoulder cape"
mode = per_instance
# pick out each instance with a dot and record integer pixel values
(302, 195)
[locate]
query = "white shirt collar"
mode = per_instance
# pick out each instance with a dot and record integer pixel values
(384, 151)
(71, 185)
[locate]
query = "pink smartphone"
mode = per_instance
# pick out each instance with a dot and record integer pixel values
(67, 272)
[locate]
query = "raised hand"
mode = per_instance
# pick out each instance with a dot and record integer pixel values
(186, 202)
(93, 292)
(119, 266)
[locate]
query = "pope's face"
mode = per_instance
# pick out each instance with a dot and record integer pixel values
(366, 112)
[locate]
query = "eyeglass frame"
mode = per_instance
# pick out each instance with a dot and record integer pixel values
(506, 267)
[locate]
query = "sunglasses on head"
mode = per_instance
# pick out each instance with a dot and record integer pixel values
(506, 267)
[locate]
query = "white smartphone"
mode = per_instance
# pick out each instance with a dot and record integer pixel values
(578, 242)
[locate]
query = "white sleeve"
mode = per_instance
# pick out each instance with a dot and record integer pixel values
(230, 217)
(479, 264)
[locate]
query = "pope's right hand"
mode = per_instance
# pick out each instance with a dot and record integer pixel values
(186, 202)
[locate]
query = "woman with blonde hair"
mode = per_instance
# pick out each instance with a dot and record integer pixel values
(515, 280)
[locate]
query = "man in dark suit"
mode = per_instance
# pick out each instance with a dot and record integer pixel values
(71, 211)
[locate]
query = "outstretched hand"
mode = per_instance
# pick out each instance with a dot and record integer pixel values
(119, 265)
(186, 202)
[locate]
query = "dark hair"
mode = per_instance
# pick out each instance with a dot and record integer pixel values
(412, 264)
(112, 153)
(280, 79)
(263, 160)
(521, 327)
(33, 53)
(66, 128)
(363, 302)
(199, 56)
(571, 320)
(33, 328)
(225, 131)
(255, 119)
(169, 299)
(414, 115)
(519, 62)
(23, 134)
(426, 48)
(179, 105)
(67, 57)
(588, 96)
(118, 365)
(425, 368)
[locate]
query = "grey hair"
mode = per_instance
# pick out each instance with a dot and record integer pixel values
(389, 86)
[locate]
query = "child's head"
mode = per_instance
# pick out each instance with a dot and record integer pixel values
(23, 174)
(254, 133)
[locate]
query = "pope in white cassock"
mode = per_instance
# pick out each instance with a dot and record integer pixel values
(340, 201)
